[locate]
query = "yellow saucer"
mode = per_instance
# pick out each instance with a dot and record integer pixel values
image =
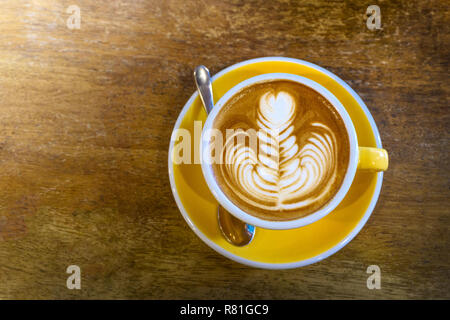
(278, 249)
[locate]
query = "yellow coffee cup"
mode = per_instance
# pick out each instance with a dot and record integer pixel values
(362, 158)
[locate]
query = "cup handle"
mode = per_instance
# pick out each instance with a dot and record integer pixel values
(373, 159)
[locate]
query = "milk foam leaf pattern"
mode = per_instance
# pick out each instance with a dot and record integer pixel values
(281, 174)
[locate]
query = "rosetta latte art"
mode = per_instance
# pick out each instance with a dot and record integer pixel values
(281, 174)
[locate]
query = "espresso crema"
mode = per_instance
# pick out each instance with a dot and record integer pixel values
(286, 150)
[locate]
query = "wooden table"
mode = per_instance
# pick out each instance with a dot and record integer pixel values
(85, 123)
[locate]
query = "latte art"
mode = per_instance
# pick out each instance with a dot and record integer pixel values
(294, 168)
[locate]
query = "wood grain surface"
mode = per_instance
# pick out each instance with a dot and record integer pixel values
(85, 122)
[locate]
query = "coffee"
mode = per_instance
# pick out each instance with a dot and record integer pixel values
(286, 150)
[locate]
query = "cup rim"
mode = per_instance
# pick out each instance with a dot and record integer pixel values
(287, 224)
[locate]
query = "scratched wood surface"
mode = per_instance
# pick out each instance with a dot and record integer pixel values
(85, 123)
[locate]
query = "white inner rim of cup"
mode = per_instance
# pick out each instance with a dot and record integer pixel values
(289, 224)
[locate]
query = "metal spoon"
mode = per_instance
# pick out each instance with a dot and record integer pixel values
(234, 230)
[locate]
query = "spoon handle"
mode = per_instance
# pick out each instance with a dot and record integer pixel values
(234, 230)
(203, 82)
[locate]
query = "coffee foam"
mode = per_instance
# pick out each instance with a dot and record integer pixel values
(299, 163)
